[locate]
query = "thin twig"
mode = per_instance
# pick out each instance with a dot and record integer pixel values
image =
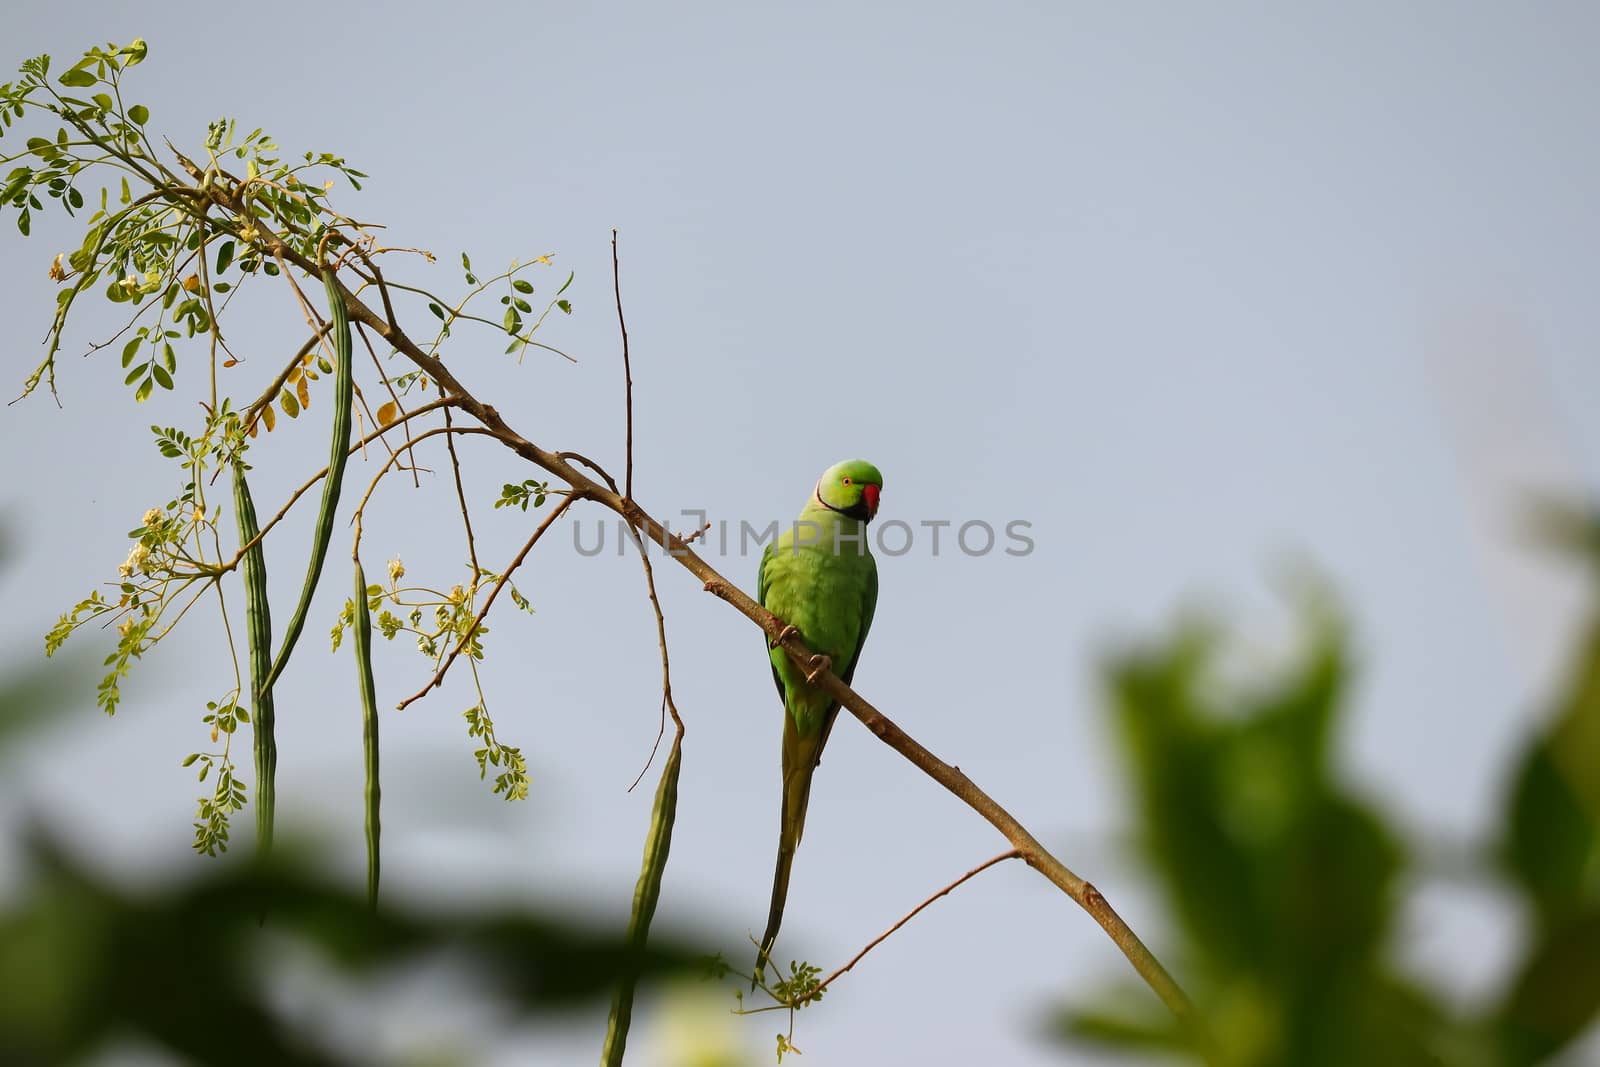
(400, 409)
(912, 914)
(410, 442)
(466, 637)
(461, 494)
(323, 473)
(215, 331)
(313, 318)
(627, 368)
(592, 465)
(278, 383)
(667, 706)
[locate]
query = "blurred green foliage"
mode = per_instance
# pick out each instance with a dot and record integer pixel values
(1283, 885)
(86, 962)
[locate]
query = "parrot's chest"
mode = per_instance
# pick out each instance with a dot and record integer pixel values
(822, 594)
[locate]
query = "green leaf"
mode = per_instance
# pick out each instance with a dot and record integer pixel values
(139, 114)
(1556, 994)
(163, 379)
(16, 181)
(78, 78)
(143, 392)
(522, 286)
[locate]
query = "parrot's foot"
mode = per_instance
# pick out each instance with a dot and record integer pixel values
(784, 635)
(819, 663)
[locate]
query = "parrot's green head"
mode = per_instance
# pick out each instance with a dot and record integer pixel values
(851, 488)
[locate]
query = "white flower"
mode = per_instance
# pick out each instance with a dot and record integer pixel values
(397, 570)
(135, 561)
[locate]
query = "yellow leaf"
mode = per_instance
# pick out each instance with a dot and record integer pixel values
(294, 376)
(230, 363)
(269, 417)
(387, 413)
(303, 391)
(191, 283)
(253, 427)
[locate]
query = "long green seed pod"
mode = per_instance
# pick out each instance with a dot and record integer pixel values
(645, 895)
(258, 631)
(369, 726)
(343, 390)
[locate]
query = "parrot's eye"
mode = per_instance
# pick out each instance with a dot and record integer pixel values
(847, 481)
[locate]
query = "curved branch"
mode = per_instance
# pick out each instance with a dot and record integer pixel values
(1083, 893)
(408, 444)
(466, 637)
(323, 473)
(823, 985)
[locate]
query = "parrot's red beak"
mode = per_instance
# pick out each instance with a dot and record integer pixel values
(869, 493)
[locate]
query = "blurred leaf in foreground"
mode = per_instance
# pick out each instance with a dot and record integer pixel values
(1280, 882)
(1550, 845)
(83, 961)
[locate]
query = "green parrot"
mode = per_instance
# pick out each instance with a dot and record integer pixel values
(820, 579)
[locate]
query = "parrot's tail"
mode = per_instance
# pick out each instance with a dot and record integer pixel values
(796, 794)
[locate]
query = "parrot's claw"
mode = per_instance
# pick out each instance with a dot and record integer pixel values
(783, 635)
(819, 663)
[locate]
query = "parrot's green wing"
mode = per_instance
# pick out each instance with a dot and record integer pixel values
(761, 597)
(869, 604)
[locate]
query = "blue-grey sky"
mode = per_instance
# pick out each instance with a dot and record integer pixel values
(1200, 291)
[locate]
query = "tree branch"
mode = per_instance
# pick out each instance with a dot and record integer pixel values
(461, 496)
(323, 473)
(822, 986)
(477, 620)
(1037, 856)
(627, 375)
